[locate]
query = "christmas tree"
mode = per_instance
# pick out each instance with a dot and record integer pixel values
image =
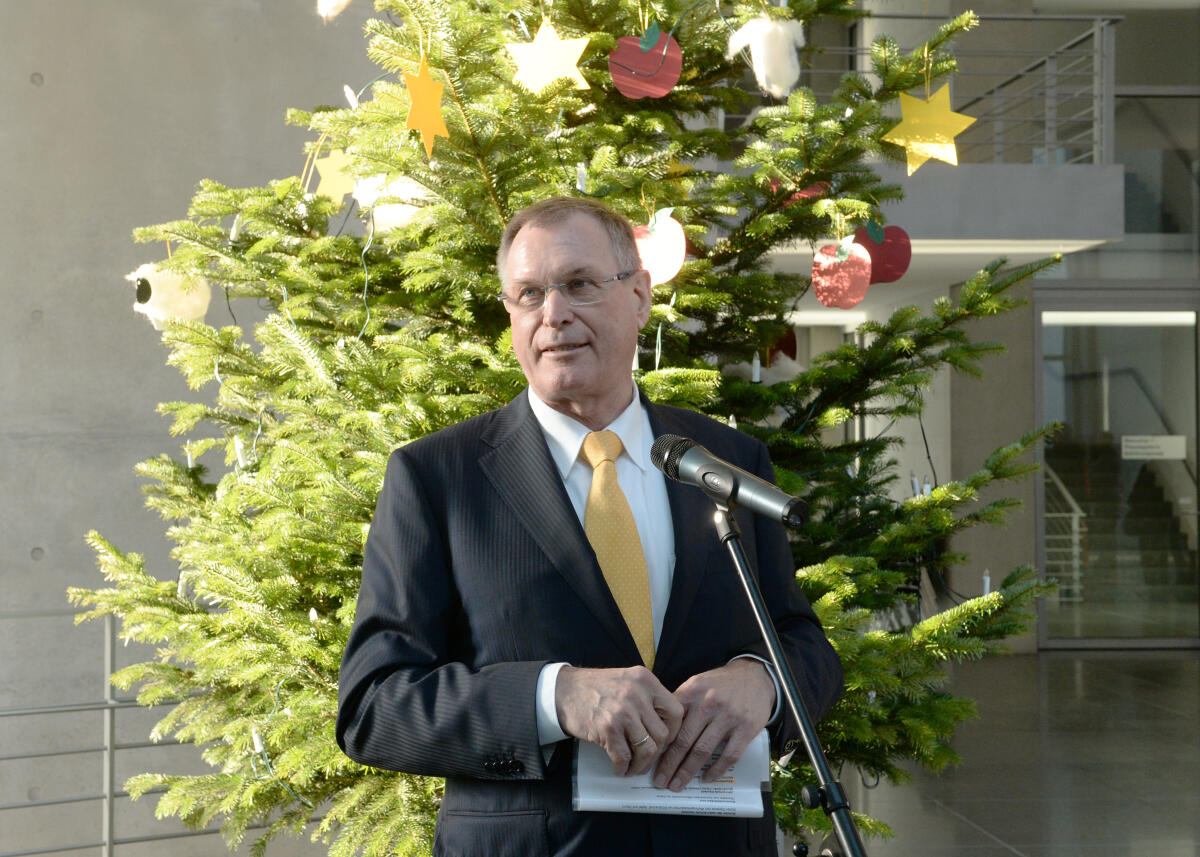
(384, 326)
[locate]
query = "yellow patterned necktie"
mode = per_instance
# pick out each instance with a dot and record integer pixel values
(613, 533)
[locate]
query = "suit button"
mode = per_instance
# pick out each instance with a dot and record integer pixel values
(515, 766)
(489, 765)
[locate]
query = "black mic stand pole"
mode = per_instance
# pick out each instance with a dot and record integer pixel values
(828, 793)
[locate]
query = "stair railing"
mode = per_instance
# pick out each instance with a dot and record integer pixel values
(1065, 529)
(1057, 109)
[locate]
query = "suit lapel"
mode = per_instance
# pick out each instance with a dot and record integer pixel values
(522, 472)
(691, 521)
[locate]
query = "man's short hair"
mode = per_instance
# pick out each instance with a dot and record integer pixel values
(557, 209)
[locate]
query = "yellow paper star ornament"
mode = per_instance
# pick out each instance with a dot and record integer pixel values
(927, 129)
(547, 58)
(335, 182)
(425, 114)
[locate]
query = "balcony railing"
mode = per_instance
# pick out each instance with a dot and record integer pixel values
(1056, 109)
(1040, 87)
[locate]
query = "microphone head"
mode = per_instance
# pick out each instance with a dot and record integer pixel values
(795, 514)
(666, 452)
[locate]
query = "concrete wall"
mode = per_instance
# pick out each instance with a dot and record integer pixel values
(113, 110)
(1017, 202)
(987, 414)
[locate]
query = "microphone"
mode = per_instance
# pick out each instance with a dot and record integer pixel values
(686, 461)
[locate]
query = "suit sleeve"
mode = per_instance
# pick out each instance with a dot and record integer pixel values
(409, 697)
(815, 664)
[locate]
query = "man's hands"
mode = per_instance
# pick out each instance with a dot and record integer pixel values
(618, 708)
(729, 704)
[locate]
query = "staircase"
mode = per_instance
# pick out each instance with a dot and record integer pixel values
(1130, 546)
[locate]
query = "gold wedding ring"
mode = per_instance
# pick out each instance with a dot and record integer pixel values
(637, 744)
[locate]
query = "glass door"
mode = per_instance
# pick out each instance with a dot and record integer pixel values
(1119, 514)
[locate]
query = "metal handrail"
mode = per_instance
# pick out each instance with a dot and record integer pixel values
(1029, 69)
(58, 849)
(59, 801)
(75, 707)
(1073, 591)
(1076, 509)
(1001, 16)
(43, 754)
(133, 840)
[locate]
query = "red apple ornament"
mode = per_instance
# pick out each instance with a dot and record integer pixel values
(662, 246)
(786, 344)
(889, 259)
(649, 73)
(841, 284)
(817, 189)
(813, 191)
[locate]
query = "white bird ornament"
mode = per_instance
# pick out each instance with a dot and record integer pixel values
(773, 44)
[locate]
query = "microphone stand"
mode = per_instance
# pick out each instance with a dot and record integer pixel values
(828, 793)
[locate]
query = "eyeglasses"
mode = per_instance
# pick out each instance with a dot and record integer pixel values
(581, 291)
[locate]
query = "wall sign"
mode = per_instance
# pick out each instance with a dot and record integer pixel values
(1153, 446)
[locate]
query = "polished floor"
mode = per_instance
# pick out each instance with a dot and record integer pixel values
(1074, 754)
(1125, 619)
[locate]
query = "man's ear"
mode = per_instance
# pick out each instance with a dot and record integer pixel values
(641, 287)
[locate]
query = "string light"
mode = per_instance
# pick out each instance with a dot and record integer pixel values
(260, 750)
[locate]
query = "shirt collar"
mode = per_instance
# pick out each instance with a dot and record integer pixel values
(564, 435)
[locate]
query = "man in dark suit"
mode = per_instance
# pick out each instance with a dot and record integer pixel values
(491, 628)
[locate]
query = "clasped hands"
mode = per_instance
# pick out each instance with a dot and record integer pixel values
(619, 708)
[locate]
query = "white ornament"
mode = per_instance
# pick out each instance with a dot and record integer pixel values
(351, 96)
(773, 44)
(782, 368)
(164, 296)
(390, 215)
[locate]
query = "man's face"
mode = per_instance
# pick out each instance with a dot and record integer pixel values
(576, 358)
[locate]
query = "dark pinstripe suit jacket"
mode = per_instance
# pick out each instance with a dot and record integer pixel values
(477, 573)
